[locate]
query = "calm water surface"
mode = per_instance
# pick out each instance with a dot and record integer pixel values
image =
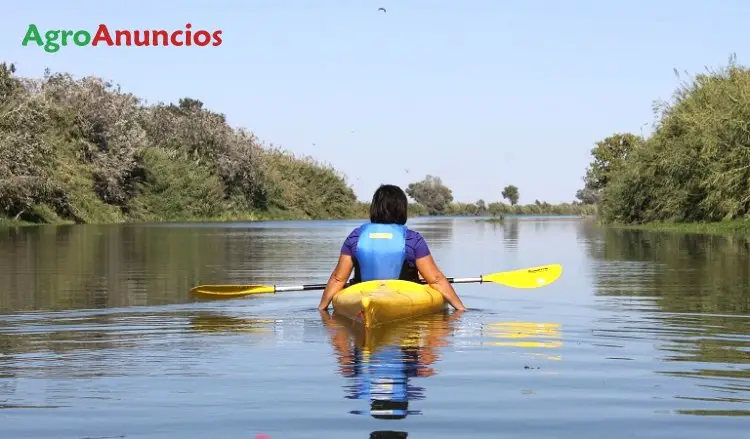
(645, 335)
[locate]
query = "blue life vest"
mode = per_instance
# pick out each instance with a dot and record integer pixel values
(381, 251)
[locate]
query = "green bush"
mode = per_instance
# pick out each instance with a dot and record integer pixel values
(81, 150)
(696, 166)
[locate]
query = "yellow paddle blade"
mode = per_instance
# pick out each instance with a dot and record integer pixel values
(230, 291)
(533, 277)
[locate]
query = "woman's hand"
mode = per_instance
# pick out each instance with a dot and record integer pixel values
(338, 279)
(435, 278)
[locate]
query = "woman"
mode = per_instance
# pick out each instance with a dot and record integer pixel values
(385, 248)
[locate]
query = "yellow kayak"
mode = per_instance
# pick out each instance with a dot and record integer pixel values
(378, 302)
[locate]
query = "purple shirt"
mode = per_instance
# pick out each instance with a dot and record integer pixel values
(416, 247)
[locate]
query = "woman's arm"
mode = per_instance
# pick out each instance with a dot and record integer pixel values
(338, 279)
(435, 278)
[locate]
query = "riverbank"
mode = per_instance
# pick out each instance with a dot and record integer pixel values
(228, 217)
(730, 227)
(362, 214)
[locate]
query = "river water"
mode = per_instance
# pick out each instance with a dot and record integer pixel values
(645, 335)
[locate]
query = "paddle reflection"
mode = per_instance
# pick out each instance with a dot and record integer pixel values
(259, 331)
(523, 334)
(382, 361)
(539, 339)
(223, 324)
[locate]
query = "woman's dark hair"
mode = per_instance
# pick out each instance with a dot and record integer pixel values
(389, 205)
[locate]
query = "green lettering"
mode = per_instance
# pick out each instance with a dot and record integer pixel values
(51, 46)
(32, 33)
(65, 35)
(82, 38)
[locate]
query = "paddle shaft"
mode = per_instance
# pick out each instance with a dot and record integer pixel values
(462, 280)
(299, 288)
(453, 280)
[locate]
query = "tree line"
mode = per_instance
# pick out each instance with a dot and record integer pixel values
(435, 198)
(83, 151)
(695, 166)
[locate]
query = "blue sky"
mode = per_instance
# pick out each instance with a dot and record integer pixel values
(480, 93)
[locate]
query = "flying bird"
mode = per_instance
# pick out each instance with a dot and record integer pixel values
(381, 9)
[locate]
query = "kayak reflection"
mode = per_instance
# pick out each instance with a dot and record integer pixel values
(382, 360)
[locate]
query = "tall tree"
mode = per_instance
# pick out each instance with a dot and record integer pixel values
(511, 194)
(431, 193)
(609, 156)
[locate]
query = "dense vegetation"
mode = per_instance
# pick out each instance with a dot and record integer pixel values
(694, 168)
(83, 151)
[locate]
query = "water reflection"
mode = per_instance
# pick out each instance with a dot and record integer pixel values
(382, 361)
(523, 334)
(223, 324)
(438, 233)
(389, 435)
(105, 266)
(686, 295)
(539, 340)
(510, 234)
(654, 330)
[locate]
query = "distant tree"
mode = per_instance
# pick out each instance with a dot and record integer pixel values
(511, 194)
(432, 194)
(481, 207)
(609, 155)
(588, 195)
(497, 209)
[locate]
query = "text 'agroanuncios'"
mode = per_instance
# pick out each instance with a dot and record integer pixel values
(52, 40)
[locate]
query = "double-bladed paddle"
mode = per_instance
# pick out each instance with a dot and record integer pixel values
(533, 277)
